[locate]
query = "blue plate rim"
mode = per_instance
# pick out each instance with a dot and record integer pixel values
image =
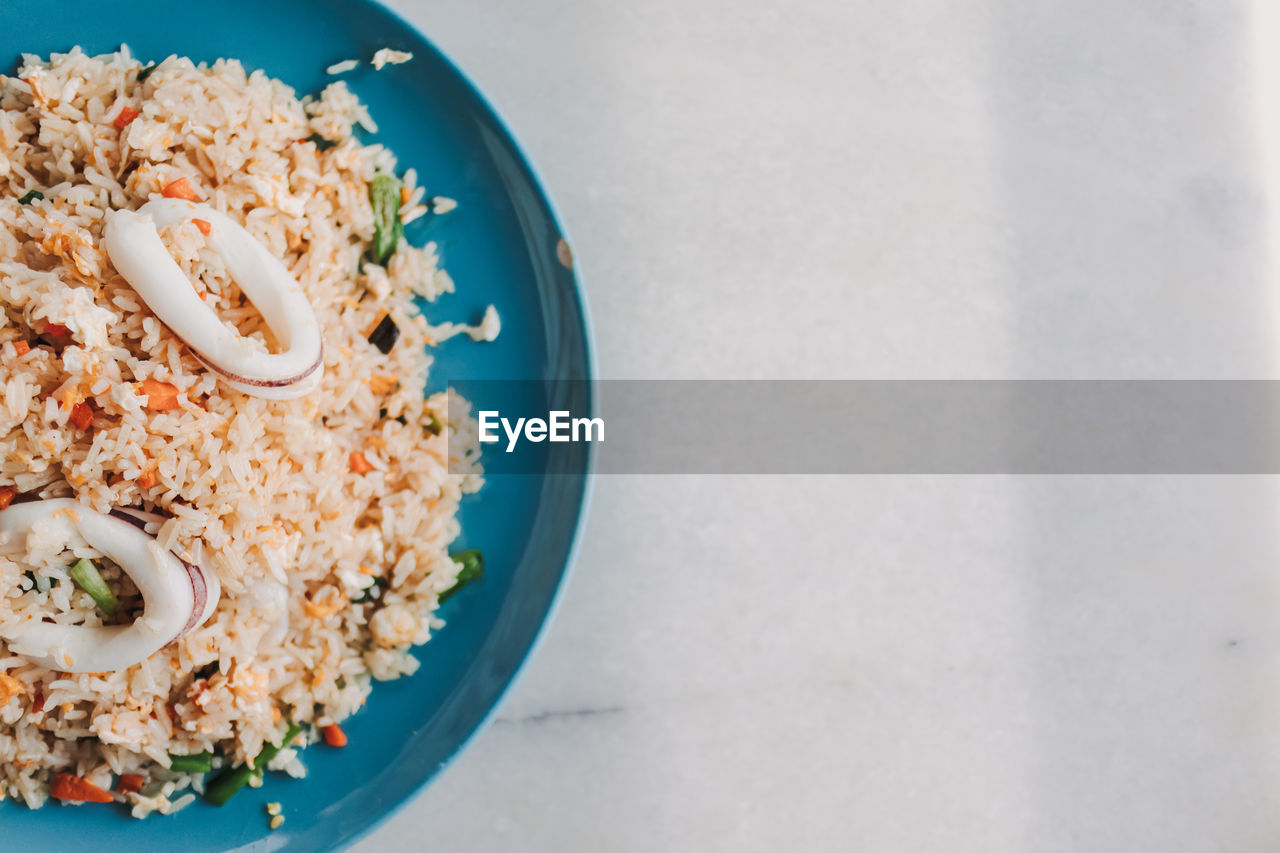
(586, 327)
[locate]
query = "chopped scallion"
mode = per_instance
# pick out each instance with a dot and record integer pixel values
(230, 781)
(87, 576)
(31, 196)
(384, 195)
(146, 72)
(199, 762)
(472, 563)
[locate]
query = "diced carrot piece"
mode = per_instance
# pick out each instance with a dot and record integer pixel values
(334, 735)
(160, 395)
(359, 465)
(130, 783)
(147, 480)
(21, 347)
(82, 415)
(127, 115)
(73, 788)
(9, 688)
(383, 384)
(7, 494)
(56, 330)
(179, 189)
(205, 227)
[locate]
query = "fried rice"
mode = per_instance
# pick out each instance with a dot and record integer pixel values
(327, 519)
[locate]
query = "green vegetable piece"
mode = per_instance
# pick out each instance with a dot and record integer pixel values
(472, 563)
(30, 197)
(320, 142)
(146, 72)
(86, 575)
(199, 762)
(153, 788)
(384, 195)
(230, 781)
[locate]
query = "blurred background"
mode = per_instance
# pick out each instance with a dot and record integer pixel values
(908, 189)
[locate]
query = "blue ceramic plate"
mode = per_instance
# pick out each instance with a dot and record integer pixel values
(500, 245)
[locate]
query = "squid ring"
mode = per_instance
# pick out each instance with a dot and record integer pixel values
(132, 240)
(178, 596)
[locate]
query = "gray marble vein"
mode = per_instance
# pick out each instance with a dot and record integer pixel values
(559, 715)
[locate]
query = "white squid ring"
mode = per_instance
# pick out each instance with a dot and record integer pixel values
(178, 596)
(133, 243)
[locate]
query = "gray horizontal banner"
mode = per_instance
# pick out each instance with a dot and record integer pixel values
(879, 426)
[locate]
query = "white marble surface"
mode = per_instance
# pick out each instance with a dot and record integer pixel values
(917, 188)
